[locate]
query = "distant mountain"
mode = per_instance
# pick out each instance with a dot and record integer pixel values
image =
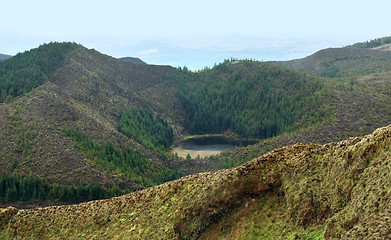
(133, 60)
(348, 61)
(4, 57)
(79, 96)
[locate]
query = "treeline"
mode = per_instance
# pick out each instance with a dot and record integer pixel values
(252, 99)
(373, 43)
(146, 128)
(28, 70)
(129, 162)
(24, 189)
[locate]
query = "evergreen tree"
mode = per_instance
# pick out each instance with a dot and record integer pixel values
(147, 128)
(258, 100)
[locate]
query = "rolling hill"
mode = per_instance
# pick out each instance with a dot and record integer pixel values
(339, 190)
(62, 105)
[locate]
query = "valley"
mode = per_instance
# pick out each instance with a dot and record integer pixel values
(243, 150)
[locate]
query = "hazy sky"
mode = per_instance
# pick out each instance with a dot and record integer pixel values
(194, 33)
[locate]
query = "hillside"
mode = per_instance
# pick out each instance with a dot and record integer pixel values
(63, 125)
(348, 61)
(74, 116)
(339, 190)
(86, 91)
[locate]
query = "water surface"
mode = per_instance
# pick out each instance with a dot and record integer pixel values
(205, 146)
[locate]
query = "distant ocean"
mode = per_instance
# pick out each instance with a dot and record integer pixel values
(197, 57)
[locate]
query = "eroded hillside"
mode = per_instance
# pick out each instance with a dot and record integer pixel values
(339, 190)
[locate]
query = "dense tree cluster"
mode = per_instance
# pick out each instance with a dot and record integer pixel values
(252, 99)
(130, 162)
(25, 71)
(19, 189)
(147, 128)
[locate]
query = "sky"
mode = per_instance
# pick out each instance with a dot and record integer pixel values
(191, 33)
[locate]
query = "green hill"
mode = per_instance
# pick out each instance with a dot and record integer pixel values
(132, 60)
(73, 116)
(304, 191)
(252, 99)
(78, 125)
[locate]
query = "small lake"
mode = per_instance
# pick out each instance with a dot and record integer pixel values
(205, 146)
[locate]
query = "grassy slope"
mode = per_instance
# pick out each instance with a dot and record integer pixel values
(303, 191)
